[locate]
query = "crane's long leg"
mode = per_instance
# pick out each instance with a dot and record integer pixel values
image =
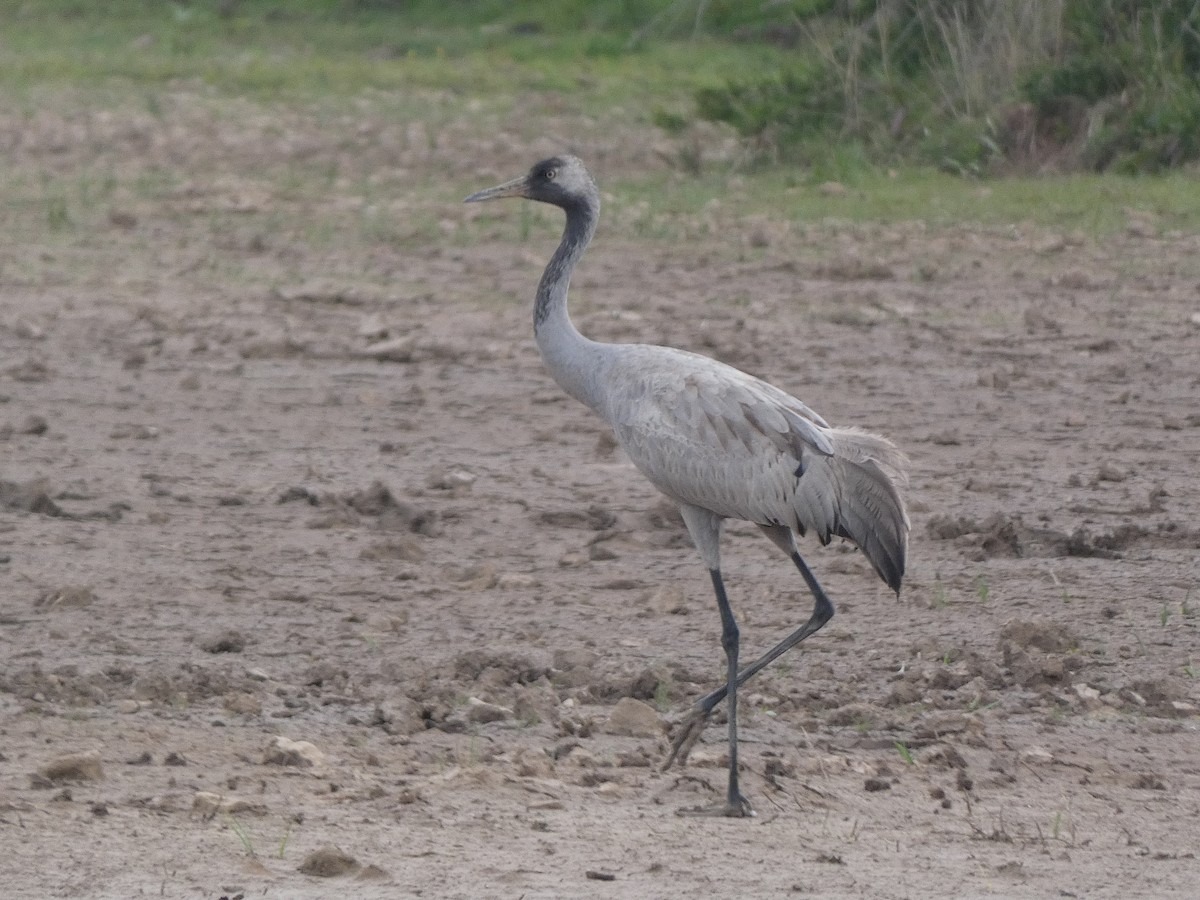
(693, 726)
(735, 803)
(705, 528)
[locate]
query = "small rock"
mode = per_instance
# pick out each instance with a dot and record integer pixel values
(454, 480)
(1036, 756)
(372, 328)
(1054, 243)
(84, 766)
(707, 758)
(209, 804)
(943, 755)
(1141, 225)
(515, 581)
(30, 372)
(399, 350)
(27, 330)
(575, 658)
(68, 597)
(760, 236)
(948, 437)
(580, 758)
(286, 752)
(243, 703)
(481, 711)
(405, 549)
(1046, 635)
(1053, 669)
(227, 641)
(642, 686)
(371, 873)
(477, 578)
(530, 763)
(123, 219)
(1087, 693)
(669, 599)
(328, 862)
(634, 759)
(601, 552)
(35, 425)
(634, 718)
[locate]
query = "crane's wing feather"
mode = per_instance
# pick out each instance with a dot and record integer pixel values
(710, 435)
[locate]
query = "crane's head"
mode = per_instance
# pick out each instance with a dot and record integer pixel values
(560, 180)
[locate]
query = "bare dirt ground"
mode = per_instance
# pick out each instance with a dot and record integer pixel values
(279, 463)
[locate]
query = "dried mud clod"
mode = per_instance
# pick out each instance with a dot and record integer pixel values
(1003, 536)
(376, 502)
(1038, 654)
(329, 862)
(29, 496)
(82, 766)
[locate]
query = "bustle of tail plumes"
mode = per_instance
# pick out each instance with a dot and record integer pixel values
(867, 473)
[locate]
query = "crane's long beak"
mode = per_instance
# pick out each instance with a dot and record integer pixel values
(518, 187)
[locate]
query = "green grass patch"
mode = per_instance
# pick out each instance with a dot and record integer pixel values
(272, 49)
(1094, 204)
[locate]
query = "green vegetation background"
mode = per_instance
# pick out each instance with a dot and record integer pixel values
(849, 90)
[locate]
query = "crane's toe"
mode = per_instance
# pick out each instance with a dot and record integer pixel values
(689, 732)
(736, 807)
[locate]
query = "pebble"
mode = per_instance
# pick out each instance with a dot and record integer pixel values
(82, 766)
(286, 752)
(226, 641)
(481, 711)
(373, 328)
(575, 658)
(530, 763)
(328, 862)
(399, 350)
(669, 600)
(1087, 693)
(243, 703)
(1036, 756)
(455, 479)
(209, 804)
(515, 581)
(634, 718)
(35, 425)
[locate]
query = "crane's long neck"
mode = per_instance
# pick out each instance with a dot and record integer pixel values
(573, 360)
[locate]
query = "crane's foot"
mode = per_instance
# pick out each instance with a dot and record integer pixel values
(685, 739)
(736, 807)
